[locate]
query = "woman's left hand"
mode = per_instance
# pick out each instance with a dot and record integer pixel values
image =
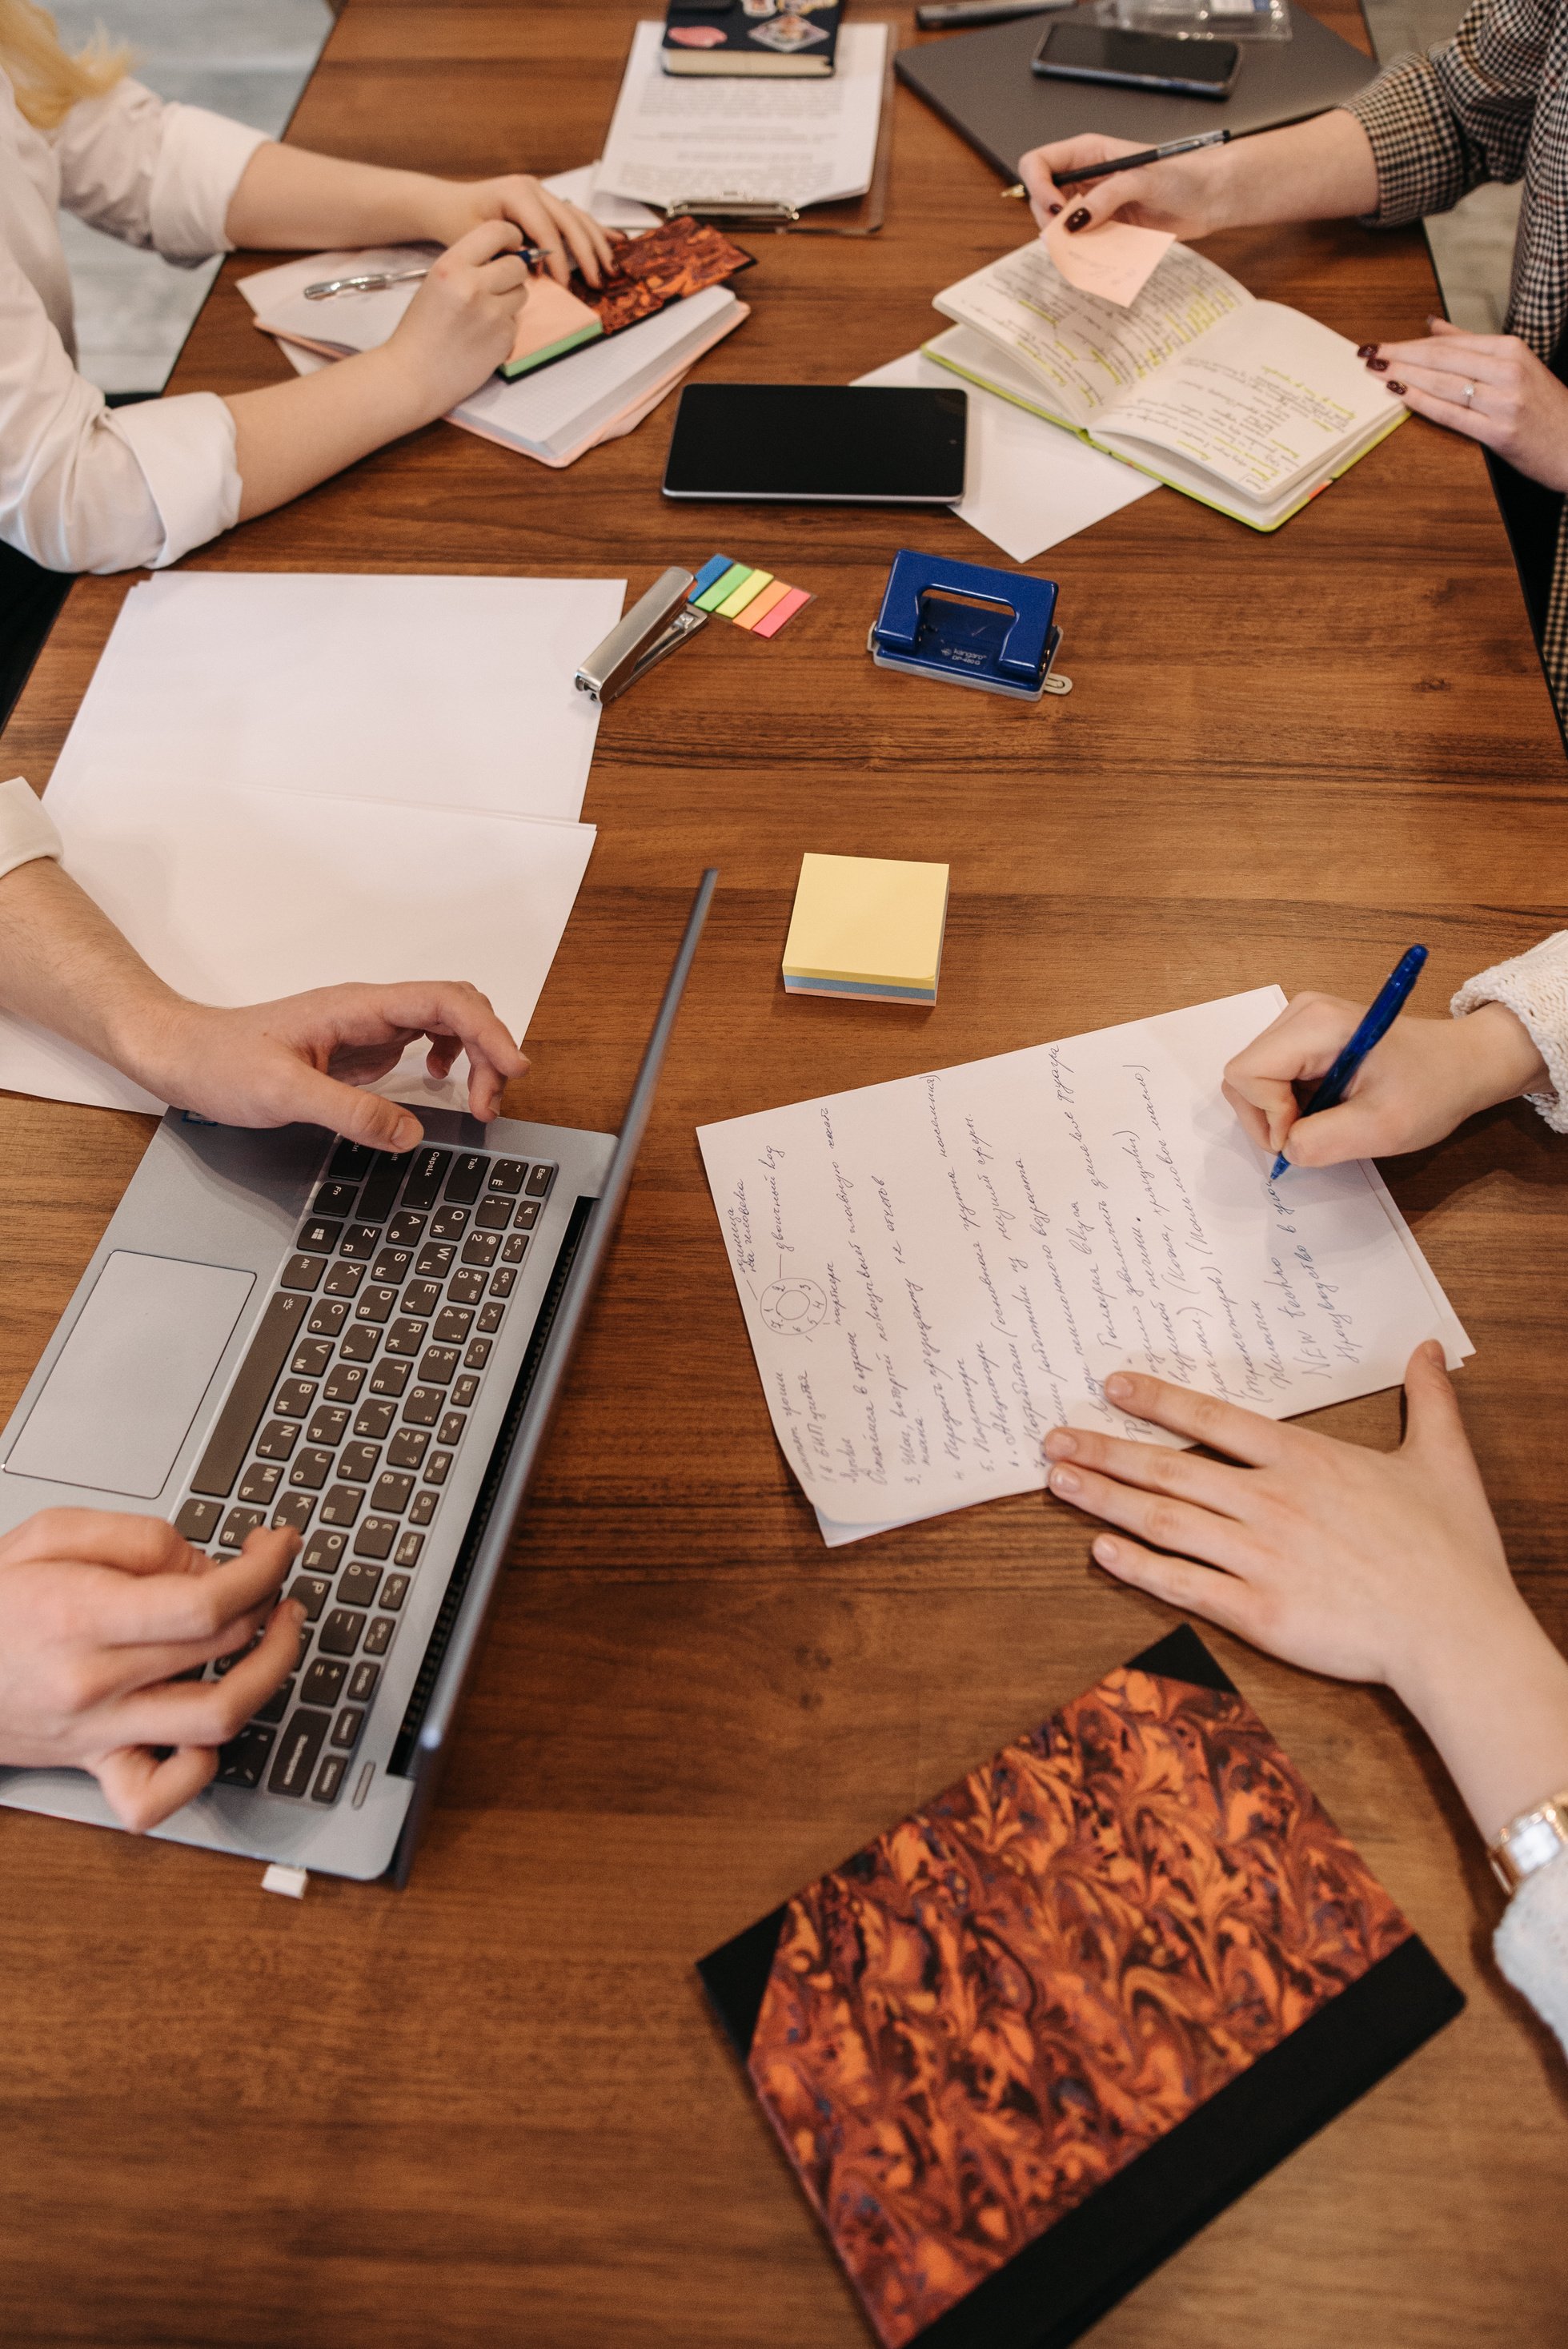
(564, 232)
(1515, 406)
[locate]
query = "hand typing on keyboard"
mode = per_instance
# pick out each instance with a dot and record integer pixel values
(102, 1619)
(304, 1059)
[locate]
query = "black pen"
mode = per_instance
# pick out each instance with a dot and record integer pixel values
(1133, 162)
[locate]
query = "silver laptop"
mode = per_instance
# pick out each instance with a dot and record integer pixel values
(283, 1328)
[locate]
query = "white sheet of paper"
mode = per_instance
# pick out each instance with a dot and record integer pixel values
(1114, 260)
(1030, 484)
(237, 895)
(444, 692)
(935, 1271)
(762, 140)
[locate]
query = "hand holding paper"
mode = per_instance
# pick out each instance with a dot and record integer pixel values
(1114, 261)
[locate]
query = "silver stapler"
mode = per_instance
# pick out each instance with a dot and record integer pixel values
(657, 625)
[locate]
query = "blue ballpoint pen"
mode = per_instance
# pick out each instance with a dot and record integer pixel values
(1380, 1017)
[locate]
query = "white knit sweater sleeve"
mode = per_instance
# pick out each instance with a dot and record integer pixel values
(1534, 987)
(1531, 1943)
(26, 831)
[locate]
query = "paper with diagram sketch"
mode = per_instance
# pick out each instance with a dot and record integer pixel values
(935, 1271)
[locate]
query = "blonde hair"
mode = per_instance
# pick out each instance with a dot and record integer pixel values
(48, 81)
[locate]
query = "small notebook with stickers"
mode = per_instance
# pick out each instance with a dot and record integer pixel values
(1023, 2046)
(790, 40)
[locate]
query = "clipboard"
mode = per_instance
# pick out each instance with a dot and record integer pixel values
(856, 215)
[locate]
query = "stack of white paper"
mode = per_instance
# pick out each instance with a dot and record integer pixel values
(699, 140)
(284, 781)
(935, 1272)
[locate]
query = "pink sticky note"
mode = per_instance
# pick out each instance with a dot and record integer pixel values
(1113, 261)
(795, 600)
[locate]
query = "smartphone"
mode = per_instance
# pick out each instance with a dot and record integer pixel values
(1197, 68)
(819, 444)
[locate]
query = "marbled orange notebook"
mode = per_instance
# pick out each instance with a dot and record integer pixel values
(1025, 2043)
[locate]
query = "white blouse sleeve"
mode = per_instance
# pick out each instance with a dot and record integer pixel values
(1531, 1943)
(152, 172)
(84, 487)
(1534, 987)
(26, 831)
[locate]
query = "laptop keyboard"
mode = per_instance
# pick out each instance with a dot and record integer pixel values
(346, 1419)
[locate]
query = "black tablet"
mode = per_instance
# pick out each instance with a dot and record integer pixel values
(819, 444)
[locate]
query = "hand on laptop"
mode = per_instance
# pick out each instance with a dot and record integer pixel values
(98, 1615)
(1426, 1077)
(305, 1059)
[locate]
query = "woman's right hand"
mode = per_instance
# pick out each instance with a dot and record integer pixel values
(462, 321)
(1425, 1078)
(1185, 197)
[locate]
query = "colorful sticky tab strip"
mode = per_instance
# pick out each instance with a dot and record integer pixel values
(753, 599)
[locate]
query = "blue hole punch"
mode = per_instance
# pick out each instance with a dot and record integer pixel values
(1004, 642)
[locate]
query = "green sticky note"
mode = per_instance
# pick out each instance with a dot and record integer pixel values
(745, 594)
(722, 589)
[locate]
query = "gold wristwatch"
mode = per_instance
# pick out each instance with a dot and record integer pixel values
(1529, 1841)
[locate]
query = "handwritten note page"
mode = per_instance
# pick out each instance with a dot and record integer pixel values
(934, 1272)
(1089, 351)
(1264, 405)
(1114, 261)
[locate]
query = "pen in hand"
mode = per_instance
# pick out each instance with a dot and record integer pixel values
(376, 281)
(1380, 1017)
(1107, 170)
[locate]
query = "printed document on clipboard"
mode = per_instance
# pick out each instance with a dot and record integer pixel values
(748, 150)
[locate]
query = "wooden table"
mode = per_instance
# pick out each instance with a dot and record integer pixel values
(493, 2108)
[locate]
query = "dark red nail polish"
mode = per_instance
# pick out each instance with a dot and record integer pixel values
(1077, 220)
(1378, 367)
(1053, 210)
(1393, 386)
(1364, 350)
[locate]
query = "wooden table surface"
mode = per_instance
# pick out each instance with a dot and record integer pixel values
(493, 2107)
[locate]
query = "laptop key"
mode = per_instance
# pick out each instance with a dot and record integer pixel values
(323, 1554)
(526, 1216)
(378, 1635)
(360, 1344)
(448, 1223)
(298, 1748)
(422, 1296)
(489, 1319)
(328, 1778)
(340, 1632)
(452, 1326)
(359, 1583)
(350, 1161)
(392, 1265)
(319, 1237)
(501, 1281)
(389, 1378)
(360, 1241)
(375, 1421)
(294, 1509)
(514, 1247)
(323, 1684)
(463, 1184)
(328, 1318)
(311, 1591)
(342, 1279)
(408, 1550)
(507, 1174)
(451, 1429)
(424, 1406)
(426, 1170)
(405, 1450)
(303, 1272)
(198, 1520)
(440, 1362)
(342, 1505)
(391, 1494)
(464, 1390)
(311, 1469)
(277, 1440)
(493, 1214)
(362, 1682)
(394, 1591)
(376, 1305)
(329, 1426)
(466, 1287)
(423, 1508)
(310, 1360)
(345, 1384)
(261, 1481)
(437, 1467)
(539, 1181)
(335, 1199)
(345, 1729)
(230, 1441)
(478, 1354)
(243, 1760)
(238, 1524)
(433, 1262)
(359, 1461)
(296, 1396)
(379, 1196)
(407, 1336)
(481, 1249)
(405, 1231)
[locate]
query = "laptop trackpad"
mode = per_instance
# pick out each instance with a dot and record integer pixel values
(120, 1399)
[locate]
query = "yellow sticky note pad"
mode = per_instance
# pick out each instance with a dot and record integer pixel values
(868, 926)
